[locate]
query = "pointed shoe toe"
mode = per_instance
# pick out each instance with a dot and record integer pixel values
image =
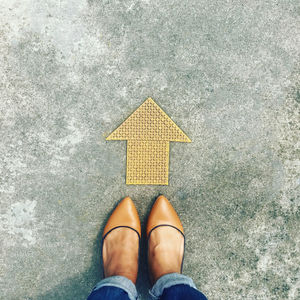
(124, 215)
(163, 214)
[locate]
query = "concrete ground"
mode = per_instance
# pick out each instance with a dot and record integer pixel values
(227, 72)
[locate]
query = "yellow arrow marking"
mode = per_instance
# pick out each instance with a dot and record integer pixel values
(148, 131)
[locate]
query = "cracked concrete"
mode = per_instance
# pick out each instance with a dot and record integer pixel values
(227, 72)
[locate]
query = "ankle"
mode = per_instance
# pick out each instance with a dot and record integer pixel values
(129, 274)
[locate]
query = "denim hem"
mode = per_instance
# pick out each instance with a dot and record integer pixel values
(167, 281)
(120, 282)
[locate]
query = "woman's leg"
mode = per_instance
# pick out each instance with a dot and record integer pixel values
(114, 288)
(182, 292)
(109, 292)
(175, 286)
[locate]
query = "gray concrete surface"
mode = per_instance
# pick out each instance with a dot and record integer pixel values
(227, 72)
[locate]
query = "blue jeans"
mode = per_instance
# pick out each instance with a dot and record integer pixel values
(172, 286)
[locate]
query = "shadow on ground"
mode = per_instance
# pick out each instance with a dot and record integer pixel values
(80, 286)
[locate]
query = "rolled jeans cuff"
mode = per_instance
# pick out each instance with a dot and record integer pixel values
(120, 282)
(167, 281)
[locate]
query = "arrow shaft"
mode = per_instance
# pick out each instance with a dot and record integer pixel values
(147, 162)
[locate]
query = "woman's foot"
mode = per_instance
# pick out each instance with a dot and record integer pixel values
(165, 253)
(120, 253)
(121, 241)
(165, 240)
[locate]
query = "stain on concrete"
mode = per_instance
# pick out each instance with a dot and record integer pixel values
(19, 223)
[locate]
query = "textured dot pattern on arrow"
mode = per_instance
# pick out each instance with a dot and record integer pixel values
(148, 132)
(149, 122)
(147, 162)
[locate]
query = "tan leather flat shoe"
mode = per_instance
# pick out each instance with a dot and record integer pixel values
(124, 215)
(163, 214)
